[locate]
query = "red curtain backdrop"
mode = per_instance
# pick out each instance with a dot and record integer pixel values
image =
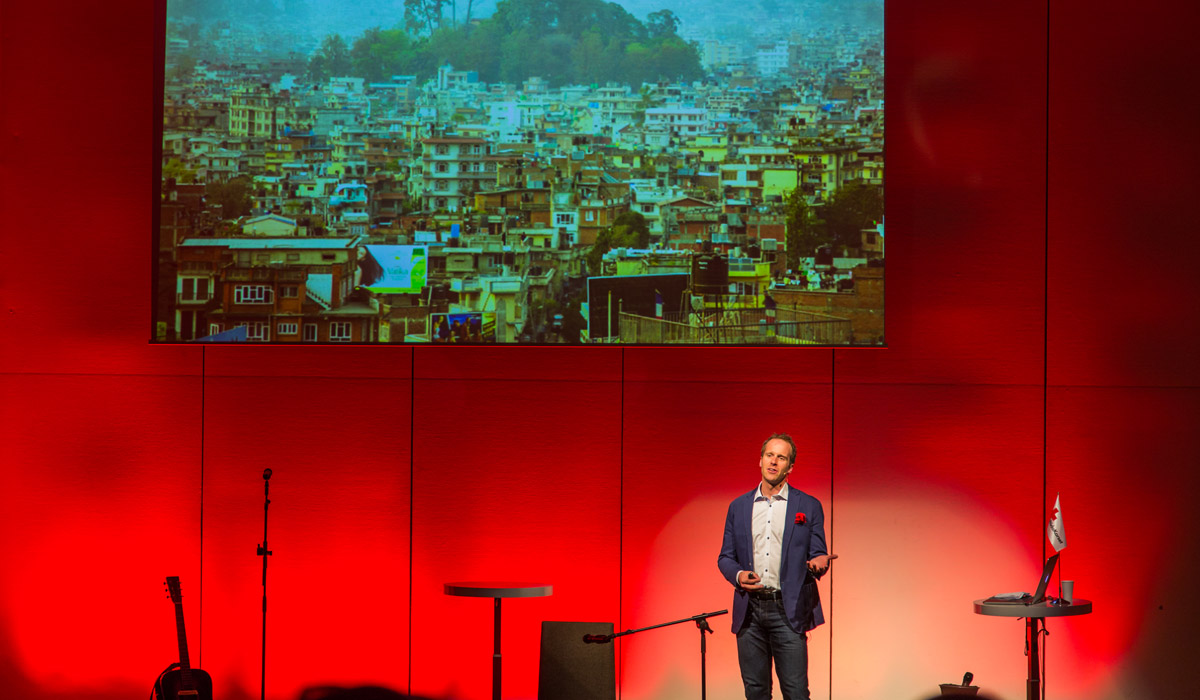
(1041, 337)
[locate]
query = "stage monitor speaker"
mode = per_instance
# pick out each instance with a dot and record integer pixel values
(569, 669)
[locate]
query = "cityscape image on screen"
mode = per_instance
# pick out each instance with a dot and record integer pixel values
(542, 172)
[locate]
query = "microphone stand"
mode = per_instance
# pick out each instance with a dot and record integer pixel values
(701, 621)
(264, 553)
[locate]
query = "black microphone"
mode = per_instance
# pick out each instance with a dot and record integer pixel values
(267, 474)
(967, 678)
(596, 639)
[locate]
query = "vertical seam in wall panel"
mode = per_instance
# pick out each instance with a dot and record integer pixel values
(1046, 297)
(621, 518)
(412, 446)
(832, 443)
(200, 631)
(1046, 334)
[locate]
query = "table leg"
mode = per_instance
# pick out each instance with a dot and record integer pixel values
(1033, 684)
(496, 650)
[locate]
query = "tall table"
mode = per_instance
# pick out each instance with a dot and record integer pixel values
(1034, 615)
(497, 590)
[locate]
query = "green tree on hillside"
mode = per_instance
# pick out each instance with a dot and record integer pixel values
(177, 170)
(851, 209)
(662, 24)
(804, 233)
(424, 16)
(676, 59)
(332, 59)
(628, 231)
(562, 41)
(233, 196)
(381, 53)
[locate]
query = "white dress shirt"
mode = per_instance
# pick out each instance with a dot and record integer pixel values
(770, 515)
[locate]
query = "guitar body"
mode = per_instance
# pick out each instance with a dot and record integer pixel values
(184, 683)
(170, 686)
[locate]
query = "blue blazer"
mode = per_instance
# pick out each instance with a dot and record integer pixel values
(801, 602)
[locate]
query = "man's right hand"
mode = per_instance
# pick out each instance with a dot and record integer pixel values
(749, 580)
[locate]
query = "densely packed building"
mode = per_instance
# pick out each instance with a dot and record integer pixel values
(458, 211)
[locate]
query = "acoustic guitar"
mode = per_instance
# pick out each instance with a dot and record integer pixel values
(185, 682)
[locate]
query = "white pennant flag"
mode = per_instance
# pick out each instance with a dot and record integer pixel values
(1055, 531)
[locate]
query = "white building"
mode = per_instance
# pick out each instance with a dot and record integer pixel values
(718, 54)
(677, 120)
(453, 169)
(269, 226)
(565, 217)
(648, 200)
(772, 59)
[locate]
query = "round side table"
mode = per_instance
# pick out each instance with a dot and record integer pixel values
(496, 590)
(1034, 615)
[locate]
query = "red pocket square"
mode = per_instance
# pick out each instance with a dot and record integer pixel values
(800, 519)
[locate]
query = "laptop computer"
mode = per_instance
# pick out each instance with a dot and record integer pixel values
(1025, 599)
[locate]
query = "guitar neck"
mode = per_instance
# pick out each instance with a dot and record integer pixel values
(185, 667)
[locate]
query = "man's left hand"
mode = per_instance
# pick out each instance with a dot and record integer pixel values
(819, 565)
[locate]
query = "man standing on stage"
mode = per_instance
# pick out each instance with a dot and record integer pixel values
(773, 553)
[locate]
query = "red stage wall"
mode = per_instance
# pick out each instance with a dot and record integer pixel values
(1041, 341)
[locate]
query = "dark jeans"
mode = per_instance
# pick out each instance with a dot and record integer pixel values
(766, 636)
